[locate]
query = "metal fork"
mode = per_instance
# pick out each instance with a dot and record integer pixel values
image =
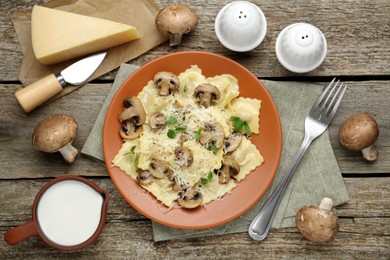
(316, 122)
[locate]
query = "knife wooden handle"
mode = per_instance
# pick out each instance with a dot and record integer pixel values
(38, 92)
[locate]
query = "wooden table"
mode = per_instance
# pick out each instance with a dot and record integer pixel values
(358, 34)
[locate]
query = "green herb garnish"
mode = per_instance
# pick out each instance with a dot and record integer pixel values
(132, 149)
(136, 160)
(185, 88)
(181, 128)
(213, 147)
(238, 124)
(197, 134)
(209, 178)
(172, 120)
(171, 133)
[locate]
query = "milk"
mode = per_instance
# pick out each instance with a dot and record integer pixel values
(69, 212)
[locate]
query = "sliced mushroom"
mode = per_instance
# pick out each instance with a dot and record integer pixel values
(212, 134)
(159, 169)
(166, 81)
(190, 198)
(157, 121)
(134, 110)
(229, 168)
(132, 118)
(232, 142)
(129, 131)
(184, 156)
(144, 177)
(206, 93)
(176, 20)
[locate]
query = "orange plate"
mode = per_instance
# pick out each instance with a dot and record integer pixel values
(248, 191)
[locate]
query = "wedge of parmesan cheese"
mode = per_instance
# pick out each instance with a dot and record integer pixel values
(59, 36)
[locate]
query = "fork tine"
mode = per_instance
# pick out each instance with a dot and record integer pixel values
(333, 112)
(329, 106)
(319, 99)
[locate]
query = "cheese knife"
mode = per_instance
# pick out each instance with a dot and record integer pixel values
(42, 90)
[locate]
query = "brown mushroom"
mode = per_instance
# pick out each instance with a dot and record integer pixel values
(318, 224)
(232, 142)
(230, 168)
(144, 177)
(159, 169)
(190, 198)
(212, 134)
(157, 121)
(176, 20)
(206, 93)
(132, 118)
(184, 156)
(166, 81)
(359, 133)
(56, 134)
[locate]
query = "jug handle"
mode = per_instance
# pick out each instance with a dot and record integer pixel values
(20, 233)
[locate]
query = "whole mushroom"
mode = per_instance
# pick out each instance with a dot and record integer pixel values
(359, 133)
(56, 134)
(176, 20)
(318, 224)
(190, 198)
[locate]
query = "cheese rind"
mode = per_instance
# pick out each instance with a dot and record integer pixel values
(58, 36)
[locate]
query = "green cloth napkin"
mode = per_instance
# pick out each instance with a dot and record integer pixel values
(317, 176)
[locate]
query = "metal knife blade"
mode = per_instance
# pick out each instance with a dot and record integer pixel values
(42, 90)
(80, 71)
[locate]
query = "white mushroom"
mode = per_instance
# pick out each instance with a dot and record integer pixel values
(157, 121)
(176, 20)
(212, 134)
(184, 156)
(144, 177)
(232, 142)
(166, 82)
(132, 118)
(359, 133)
(206, 93)
(230, 168)
(318, 224)
(56, 134)
(159, 169)
(190, 198)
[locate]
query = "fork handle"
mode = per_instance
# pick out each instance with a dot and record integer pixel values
(261, 224)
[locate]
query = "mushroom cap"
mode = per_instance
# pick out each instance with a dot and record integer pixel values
(190, 198)
(176, 19)
(358, 132)
(54, 132)
(212, 132)
(134, 111)
(317, 224)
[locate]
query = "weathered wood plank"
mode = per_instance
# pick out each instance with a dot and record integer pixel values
(364, 230)
(357, 40)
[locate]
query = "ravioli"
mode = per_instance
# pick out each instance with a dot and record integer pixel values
(190, 122)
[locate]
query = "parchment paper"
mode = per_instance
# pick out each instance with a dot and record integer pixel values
(140, 13)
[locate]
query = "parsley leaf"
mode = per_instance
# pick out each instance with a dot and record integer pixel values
(136, 160)
(209, 178)
(238, 124)
(185, 88)
(132, 149)
(197, 134)
(172, 120)
(171, 133)
(181, 128)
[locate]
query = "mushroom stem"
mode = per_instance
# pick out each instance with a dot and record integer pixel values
(370, 153)
(175, 39)
(69, 153)
(326, 203)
